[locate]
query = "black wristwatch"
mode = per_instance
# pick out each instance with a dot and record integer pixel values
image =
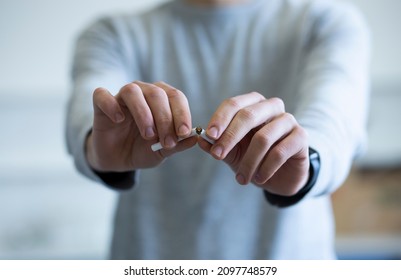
(285, 201)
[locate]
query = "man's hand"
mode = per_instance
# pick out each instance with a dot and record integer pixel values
(260, 142)
(126, 125)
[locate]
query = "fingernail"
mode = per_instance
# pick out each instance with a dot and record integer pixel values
(183, 130)
(169, 142)
(119, 117)
(212, 132)
(149, 132)
(218, 151)
(240, 179)
(258, 179)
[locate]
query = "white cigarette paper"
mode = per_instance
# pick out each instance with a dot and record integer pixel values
(204, 136)
(195, 131)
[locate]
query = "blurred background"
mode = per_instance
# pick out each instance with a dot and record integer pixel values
(49, 211)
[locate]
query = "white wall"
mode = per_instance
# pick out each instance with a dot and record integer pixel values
(384, 20)
(37, 38)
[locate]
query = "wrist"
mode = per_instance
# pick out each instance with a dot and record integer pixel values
(117, 180)
(90, 154)
(285, 201)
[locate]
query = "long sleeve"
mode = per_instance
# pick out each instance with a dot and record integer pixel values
(102, 59)
(333, 92)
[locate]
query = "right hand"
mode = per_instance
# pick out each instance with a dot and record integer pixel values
(126, 125)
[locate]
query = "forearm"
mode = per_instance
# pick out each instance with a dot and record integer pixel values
(333, 93)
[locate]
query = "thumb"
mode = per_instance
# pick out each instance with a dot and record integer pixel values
(104, 103)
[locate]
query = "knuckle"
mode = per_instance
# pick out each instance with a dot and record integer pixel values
(160, 83)
(165, 120)
(232, 102)
(262, 140)
(155, 92)
(180, 112)
(221, 118)
(247, 114)
(301, 132)
(229, 134)
(129, 89)
(260, 96)
(289, 117)
(143, 117)
(279, 153)
(227, 137)
(175, 93)
(302, 135)
(279, 103)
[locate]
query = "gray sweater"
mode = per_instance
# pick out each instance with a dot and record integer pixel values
(312, 54)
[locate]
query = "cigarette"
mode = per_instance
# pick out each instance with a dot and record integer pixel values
(202, 134)
(195, 131)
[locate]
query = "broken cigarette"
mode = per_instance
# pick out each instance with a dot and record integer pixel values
(195, 131)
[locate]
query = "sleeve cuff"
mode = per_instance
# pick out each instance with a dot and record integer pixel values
(118, 180)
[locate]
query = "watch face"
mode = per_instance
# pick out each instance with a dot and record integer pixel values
(313, 154)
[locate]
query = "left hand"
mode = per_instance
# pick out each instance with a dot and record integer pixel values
(260, 142)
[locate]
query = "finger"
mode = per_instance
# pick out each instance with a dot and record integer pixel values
(244, 121)
(179, 108)
(104, 103)
(158, 146)
(181, 146)
(204, 145)
(265, 138)
(133, 98)
(227, 110)
(158, 103)
(292, 146)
